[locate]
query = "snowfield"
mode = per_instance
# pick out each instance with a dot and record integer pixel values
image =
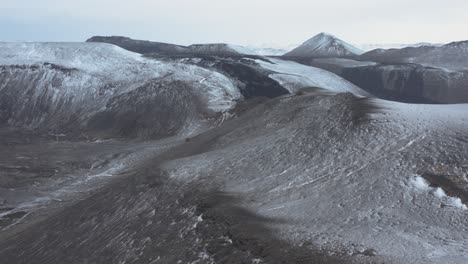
(294, 76)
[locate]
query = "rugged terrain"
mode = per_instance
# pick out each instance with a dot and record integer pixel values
(108, 156)
(419, 74)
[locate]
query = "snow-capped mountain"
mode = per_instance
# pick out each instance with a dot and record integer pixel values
(324, 45)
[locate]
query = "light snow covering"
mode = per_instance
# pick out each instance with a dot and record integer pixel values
(272, 49)
(353, 191)
(242, 49)
(373, 46)
(294, 76)
(102, 63)
(325, 44)
(220, 48)
(453, 55)
(436, 117)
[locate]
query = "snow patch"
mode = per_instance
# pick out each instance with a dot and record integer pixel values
(421, 185)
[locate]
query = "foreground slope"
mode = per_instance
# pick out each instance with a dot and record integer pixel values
(315, 178)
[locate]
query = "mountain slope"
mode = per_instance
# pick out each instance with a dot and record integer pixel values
(404, 55)
(294, 76)
(315, 178)
(52, 86)
(324, 45)
(453, 56)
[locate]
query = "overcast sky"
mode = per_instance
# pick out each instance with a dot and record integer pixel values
(236, 21)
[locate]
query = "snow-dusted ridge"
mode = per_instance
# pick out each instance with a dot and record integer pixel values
(97, 73)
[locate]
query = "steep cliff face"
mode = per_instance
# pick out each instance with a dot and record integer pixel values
(410, 83)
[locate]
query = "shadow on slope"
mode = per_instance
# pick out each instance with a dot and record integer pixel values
(148, 216)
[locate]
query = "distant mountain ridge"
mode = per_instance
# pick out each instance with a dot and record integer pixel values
(452, 56)
(373, 46)
(139, 46)
(404, 55)
(325, 45)
(146, 47)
